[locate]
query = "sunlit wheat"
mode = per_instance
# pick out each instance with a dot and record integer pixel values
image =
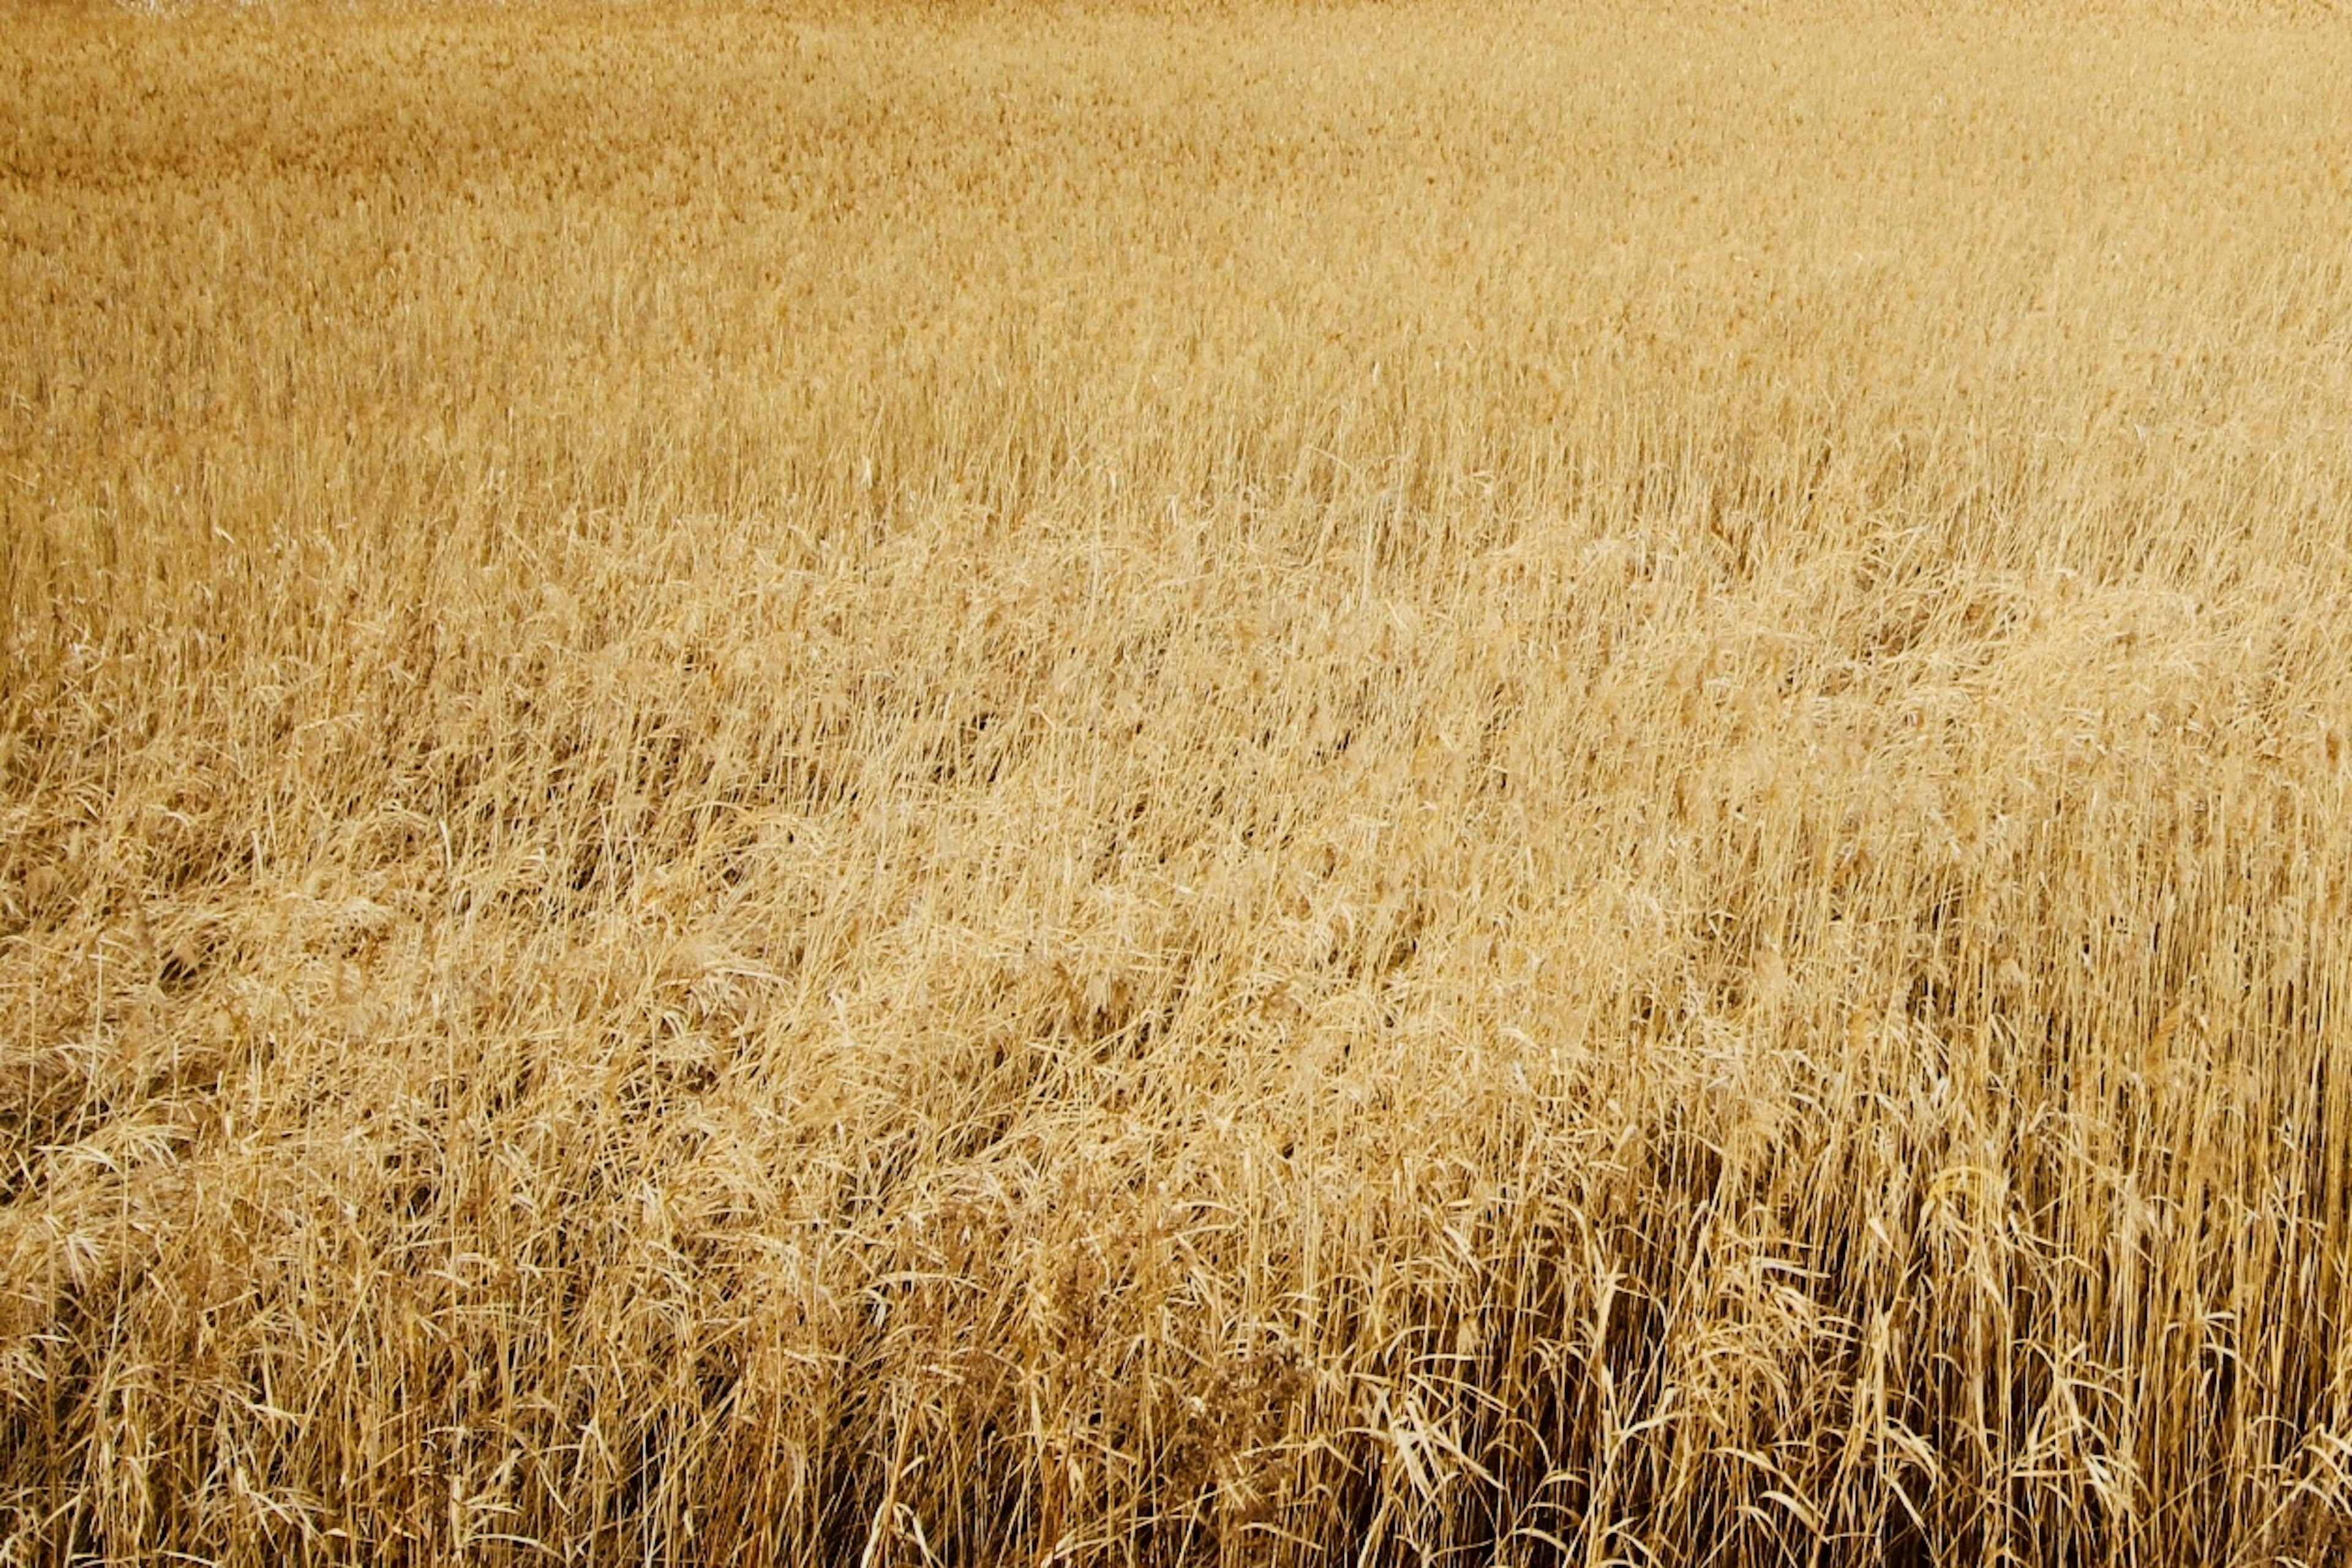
(1093, 784)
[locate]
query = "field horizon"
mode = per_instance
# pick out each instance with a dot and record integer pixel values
(1091, 783)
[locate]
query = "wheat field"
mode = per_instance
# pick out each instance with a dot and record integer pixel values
(1108, 783)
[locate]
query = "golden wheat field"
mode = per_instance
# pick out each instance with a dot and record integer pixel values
(1100, 783)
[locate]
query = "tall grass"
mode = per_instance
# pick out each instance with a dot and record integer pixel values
(1100, 785)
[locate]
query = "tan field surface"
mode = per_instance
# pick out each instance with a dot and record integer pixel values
(1031, 784)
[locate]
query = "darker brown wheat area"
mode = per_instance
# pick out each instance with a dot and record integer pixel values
(1008, 784)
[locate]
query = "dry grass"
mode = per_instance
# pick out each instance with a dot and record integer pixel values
(1333, 785)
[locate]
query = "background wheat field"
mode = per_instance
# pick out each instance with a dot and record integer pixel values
(1020, 784)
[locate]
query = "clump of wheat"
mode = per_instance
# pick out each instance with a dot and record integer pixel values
(1111, 785)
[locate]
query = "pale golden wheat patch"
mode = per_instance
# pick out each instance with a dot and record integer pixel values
(1016, 784)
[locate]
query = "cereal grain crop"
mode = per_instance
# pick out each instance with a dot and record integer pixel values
(1114, 783)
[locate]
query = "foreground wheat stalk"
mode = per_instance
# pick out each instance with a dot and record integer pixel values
(1097, 786)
